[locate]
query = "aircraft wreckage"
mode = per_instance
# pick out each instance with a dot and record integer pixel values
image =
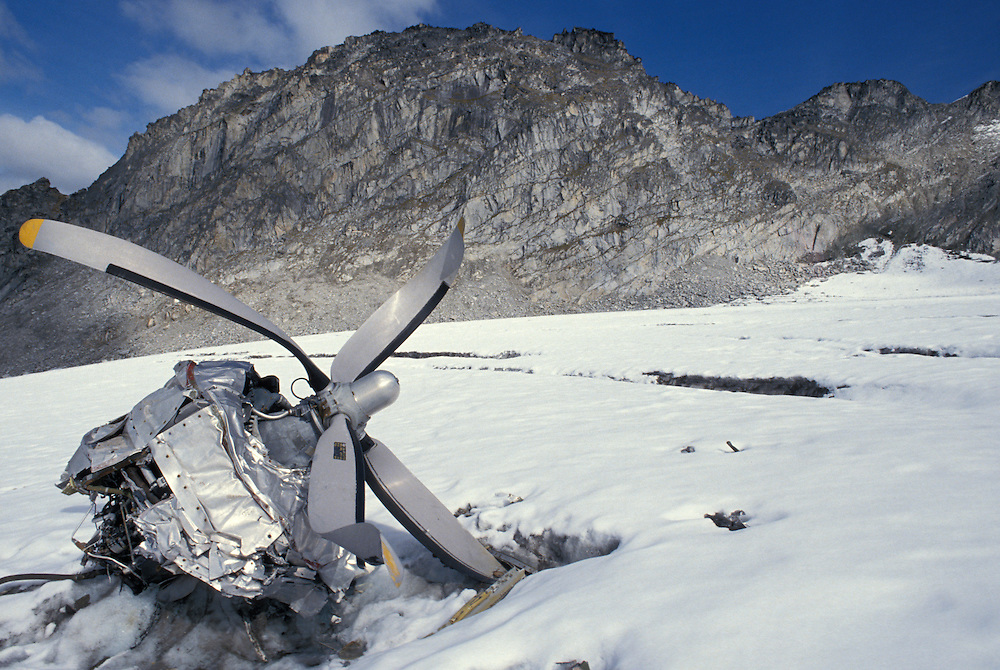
(218, 477)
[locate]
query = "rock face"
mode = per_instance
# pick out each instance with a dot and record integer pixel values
(18, 205)
(584, 182)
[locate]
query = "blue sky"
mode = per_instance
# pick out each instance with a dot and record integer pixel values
(78, 77)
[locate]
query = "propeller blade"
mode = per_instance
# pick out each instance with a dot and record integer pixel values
(387, 328)
(426, 517)
(361, 539)
(336, 489)
(366, 542)
(129, 261)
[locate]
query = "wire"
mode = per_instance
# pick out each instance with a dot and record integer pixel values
(124, 568)
(128, 536)
(291, 387)
(49, 577)
(316, 422)
(270, 417)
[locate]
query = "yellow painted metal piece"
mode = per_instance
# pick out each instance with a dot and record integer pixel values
(29, 231)
(392, 565)
(491, 596)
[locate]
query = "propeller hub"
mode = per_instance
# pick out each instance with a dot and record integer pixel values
(360, 399)
(375, 391)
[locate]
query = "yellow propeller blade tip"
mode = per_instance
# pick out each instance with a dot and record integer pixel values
(461, 226)
(29, 231)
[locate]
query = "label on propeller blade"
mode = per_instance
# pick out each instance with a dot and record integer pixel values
(340, 451)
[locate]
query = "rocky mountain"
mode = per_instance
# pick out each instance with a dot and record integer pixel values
(585, 183)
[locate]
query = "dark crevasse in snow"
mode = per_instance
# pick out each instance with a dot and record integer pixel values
(797, 386)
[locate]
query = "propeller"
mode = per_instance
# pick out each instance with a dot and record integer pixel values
(382, 333)
(345, 455)
(141, 266)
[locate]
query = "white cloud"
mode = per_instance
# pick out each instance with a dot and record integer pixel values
(213, 27)
(105, 118)
(39, 148)
(318, 23)
(15, 67)
(273, 32)
(14, 40)
(169, 83)
(10, 29)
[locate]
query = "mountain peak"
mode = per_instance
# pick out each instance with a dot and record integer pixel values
(585, 183)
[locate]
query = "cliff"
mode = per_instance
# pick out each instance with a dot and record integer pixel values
(585, 184)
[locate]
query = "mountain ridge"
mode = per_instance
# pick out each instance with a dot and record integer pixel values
(585, 184)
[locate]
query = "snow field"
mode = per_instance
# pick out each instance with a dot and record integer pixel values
(870, 538)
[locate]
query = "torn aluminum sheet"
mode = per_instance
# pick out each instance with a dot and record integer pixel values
(194, 481)
(196, 466)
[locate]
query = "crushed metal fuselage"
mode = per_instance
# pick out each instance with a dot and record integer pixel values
(208, 477)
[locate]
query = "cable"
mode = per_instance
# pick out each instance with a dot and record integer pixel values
(270, 417)
(49, 577)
